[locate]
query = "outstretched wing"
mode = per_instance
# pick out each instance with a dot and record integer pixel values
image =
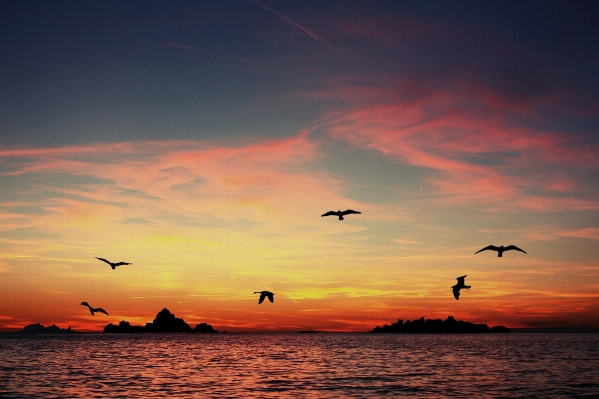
(262, 296)
(104, 260)
(122, 263)
(329, 213)
(513, 247)
(492, 247)
(102, 311)
(271, 297)
(347, 212)
(456, 293)
(461, 279)
(89, 307)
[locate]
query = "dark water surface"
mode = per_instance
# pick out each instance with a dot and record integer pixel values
(300, 365)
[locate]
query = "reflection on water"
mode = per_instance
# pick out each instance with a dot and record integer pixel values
(305, 365)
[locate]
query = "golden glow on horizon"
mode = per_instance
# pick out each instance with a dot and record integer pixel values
(205, 228)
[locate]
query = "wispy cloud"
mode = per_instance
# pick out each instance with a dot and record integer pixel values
(180, 46)
(553, 232)
(300, 27)
(591, 233)
(482, 154)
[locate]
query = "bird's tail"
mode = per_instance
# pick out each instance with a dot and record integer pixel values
(113, 267)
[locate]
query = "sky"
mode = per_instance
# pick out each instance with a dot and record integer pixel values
(202, 140)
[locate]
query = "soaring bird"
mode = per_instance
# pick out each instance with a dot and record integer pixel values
(339, 213)
(94, 310)
(264, 294)
(113, 265)
(500, 249)
(459, 286)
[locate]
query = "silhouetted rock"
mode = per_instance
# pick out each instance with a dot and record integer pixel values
(204, 328)
(37, 328)
(500, 329)
(123, 327)
(450, 325)
(165, 321)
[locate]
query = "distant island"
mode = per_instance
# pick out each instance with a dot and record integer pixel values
(557, 330)
(449, 326)
(165, 321)
(37, 328)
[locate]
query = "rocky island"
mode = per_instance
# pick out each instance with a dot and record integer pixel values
(37, 328)
(165, 321)
(428, 326)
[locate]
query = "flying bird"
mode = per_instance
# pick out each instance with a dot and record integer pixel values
(94, 310)
(339, 213)
(459, 286)
(114, 265)
(500, 250)
(264, 294)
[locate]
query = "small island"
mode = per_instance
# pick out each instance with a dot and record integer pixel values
(37, 328)
(429, 326)
(165, 321)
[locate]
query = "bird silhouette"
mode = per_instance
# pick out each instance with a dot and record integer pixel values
(500, 250)
(94, 310)
(339, 213)
(459, 286)
(114, 265)
(264, 294)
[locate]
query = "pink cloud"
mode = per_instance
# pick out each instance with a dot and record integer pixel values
(262, 175)
(591, 233)
(467, 135)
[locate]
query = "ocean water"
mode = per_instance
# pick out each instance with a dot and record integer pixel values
(300, 365)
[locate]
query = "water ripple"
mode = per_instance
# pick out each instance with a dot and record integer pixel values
(280, 365)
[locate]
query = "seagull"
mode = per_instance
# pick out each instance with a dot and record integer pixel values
(459, 286)
(500, 249)
(264, 294)
(339, 213)
(114, 265)
(93, 310)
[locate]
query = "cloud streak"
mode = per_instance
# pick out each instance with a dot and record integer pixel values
(300, 27)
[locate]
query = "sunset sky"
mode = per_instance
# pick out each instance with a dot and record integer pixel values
(202, 140)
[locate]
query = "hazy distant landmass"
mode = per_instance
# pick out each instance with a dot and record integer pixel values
(558, 330)
(450, 325)
(165, 321)
(37, 328)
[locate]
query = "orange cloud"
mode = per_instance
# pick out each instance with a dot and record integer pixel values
(206, 224)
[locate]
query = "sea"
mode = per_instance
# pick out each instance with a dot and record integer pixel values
(278, 365)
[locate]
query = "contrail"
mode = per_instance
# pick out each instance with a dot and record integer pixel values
(290, 22)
